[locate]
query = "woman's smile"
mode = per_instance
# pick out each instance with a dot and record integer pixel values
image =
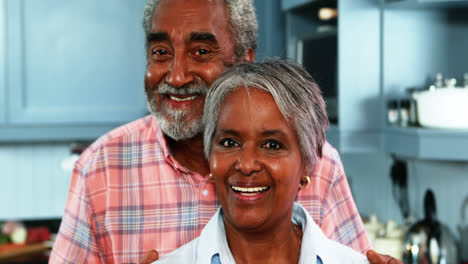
(249, 193)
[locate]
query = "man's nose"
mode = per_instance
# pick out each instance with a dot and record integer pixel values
(248, 161)
(178, 74)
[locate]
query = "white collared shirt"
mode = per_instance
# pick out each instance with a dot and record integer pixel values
(212, 247)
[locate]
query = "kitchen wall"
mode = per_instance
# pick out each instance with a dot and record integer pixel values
(369, 176)
(40, 183)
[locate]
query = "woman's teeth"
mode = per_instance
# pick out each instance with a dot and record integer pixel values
(249, 191)
(178, 99)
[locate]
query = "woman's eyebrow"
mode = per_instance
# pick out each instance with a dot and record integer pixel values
(272, 132)
(228, 132)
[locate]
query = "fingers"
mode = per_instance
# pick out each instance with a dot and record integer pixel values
(150, 257)
(376, 258)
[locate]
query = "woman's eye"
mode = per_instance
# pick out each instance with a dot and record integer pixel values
(229, 143)
(272, 144)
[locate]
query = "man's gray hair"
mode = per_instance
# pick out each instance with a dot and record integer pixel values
(242, 24)
(295, 92)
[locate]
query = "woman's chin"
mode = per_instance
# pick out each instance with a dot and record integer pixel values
(247, 220)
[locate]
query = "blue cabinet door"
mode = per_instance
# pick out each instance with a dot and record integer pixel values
(74, 62)
(2, 63)
(289, 4)
(270, 29)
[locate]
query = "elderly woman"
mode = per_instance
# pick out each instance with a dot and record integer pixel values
(264, 128)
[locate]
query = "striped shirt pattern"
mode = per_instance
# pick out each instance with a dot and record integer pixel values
(128, 195)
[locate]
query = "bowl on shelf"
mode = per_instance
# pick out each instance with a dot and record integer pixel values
(445, 108)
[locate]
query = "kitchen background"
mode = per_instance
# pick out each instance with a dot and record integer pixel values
(70, 71)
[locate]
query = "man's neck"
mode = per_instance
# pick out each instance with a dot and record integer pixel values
(189, 153)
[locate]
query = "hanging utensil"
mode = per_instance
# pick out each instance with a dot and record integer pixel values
(463, 229)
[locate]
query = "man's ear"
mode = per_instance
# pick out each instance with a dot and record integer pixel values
(249, 56)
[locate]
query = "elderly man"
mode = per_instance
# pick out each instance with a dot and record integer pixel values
(143, 186)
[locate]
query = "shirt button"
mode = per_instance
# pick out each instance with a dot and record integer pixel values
(205, 192)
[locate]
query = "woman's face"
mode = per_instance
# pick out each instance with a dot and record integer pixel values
(255, 161)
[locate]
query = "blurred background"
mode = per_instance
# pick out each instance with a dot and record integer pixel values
(393, 73)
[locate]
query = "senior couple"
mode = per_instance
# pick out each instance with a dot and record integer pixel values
(150, 184)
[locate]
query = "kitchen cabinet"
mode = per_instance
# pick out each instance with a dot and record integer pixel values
(2, 63)
(72, 70)
(418, 41)
(270, 40)
(290, 4)
(357, 101)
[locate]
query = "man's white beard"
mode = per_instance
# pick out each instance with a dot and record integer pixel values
(174, 124)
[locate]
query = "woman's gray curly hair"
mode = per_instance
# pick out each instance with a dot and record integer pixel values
(242, 22)
(295, 92)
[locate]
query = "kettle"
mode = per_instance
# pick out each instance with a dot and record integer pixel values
(463, 229)
(429, 241)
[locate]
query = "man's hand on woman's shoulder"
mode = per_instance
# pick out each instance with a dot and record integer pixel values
(150, 257)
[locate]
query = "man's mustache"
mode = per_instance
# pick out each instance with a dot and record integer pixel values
(165, 88)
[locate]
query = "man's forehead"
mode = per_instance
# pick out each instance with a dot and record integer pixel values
(187, 7)
(194, 17)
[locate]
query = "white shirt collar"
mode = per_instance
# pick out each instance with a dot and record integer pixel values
(213, 241)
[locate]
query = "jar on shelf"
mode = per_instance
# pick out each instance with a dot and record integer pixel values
(392, 112)
(405, 106)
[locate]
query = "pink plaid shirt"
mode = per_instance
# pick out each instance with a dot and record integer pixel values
(129, 195)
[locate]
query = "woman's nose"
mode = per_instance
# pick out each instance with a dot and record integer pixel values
(248, 161)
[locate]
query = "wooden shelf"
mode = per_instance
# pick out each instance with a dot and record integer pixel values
(427, 144)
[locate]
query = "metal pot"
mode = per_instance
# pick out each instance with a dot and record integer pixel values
(429, 241)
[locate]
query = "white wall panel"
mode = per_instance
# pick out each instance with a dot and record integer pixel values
(33, 182)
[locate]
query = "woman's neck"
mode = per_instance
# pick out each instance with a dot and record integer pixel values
(281, 245)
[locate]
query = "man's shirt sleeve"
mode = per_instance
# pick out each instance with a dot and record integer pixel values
(76, 241)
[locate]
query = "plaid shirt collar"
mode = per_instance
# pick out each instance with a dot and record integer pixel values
(161, 138)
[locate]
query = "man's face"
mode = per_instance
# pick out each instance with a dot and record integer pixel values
(190, 45)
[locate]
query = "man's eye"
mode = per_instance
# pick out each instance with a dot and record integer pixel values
(273, 144)
(159, 52)
(201, 52)
(229, 143)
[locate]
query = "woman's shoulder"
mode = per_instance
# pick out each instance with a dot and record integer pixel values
(185, 254)
(338, 253)
(314, 242)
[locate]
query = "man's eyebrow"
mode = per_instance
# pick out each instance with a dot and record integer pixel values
(159, 36)
(203, 36)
